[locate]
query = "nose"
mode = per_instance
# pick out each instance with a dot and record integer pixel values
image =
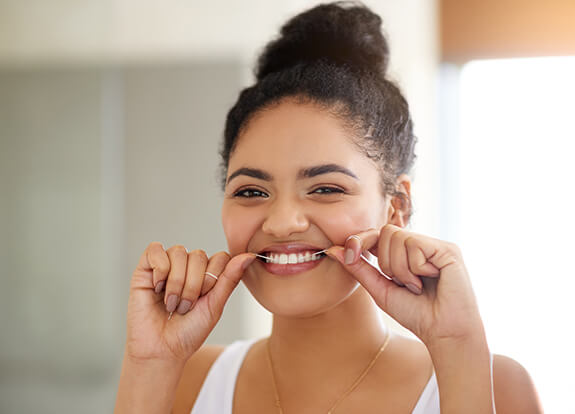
(285, 217)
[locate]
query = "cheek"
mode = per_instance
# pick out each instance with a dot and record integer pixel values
(342, 221)
(238, 227)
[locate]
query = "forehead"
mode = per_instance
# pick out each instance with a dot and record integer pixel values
(296, 135)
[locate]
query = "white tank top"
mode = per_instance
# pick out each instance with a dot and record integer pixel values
(217, 393)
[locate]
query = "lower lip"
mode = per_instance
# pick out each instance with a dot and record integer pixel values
(290, 269)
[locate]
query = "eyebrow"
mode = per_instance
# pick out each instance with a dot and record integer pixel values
(309, 172)
(250, 172)
(325, 169)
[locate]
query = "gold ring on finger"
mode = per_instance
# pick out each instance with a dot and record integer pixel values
(211, 275)
(354, 236)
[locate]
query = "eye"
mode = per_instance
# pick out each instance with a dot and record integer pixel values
(250, 193)
(328, 190)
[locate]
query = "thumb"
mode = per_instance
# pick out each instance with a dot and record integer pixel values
(227, 282)
(375, 282)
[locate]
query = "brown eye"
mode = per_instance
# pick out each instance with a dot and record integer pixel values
(328, 190)
(250, 193)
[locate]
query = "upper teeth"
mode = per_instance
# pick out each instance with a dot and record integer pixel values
(292, 258)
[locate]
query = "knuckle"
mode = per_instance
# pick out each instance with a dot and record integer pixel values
(396, 236)
(159, 261)
(198, 254)
(389, 227)
(220, 258)
(221, 255)
(410, 242)
(384, 231)
(155, 245)
(177, 250)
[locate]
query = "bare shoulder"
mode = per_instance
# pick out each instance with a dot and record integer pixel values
(195, 372)
(513, 388)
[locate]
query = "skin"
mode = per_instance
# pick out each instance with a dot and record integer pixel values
(293, 212)
(326, 326)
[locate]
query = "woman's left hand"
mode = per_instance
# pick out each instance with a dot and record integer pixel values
(430, 294)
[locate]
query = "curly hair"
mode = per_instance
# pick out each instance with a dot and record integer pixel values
(334, 56)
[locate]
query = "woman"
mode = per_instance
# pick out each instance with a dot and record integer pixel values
(315, 162)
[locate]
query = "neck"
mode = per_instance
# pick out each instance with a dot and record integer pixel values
(341, 335)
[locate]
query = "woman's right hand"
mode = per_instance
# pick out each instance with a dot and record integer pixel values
(175, 281)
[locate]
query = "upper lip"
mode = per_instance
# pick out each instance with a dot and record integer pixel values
(290, 248)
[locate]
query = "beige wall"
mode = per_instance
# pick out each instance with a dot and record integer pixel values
(110, 118)
(484, 29)
(60, 31)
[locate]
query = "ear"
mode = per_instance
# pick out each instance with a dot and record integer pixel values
(399, 209)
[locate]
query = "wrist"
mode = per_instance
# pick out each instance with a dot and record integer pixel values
(143, 355)
(476, 342)
(464, 374)
(153, 364)
(458, 354)
(148, 385)
(472, 337)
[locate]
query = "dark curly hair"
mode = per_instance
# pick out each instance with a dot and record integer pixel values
(333, 56)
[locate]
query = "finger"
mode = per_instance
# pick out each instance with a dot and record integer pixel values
(216, 266)
(197, 261)
(418, 263)
(440, 253)
(357, 243)
(178, 256)
(154, 261)
(400, 265)
(227, 282)
(369, 277)
(384, 249)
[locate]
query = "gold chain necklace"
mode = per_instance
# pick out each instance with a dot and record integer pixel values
(345, 394)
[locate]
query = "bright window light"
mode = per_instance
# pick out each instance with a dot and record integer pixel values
(516, 219)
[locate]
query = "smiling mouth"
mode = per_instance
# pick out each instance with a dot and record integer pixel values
(291, 258)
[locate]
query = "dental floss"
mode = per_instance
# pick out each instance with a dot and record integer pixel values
(370, 259)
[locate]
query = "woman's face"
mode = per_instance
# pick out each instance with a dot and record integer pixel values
(298, 184)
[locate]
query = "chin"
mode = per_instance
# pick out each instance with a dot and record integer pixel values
(299, 296)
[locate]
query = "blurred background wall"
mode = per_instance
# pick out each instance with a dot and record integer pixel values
(507, 139)
(111, 114)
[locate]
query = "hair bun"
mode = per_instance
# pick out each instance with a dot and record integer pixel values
(342, 32)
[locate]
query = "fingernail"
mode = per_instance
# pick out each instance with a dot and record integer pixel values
(160, 286)
(184, 306)
(413, 289)
(349, 256)
(172, 302)
(336, 253)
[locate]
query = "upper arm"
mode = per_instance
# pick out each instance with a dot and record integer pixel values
(193, 376)
(514, 391)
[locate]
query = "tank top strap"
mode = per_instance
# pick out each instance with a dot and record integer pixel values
(217, 392)
(428, 402)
